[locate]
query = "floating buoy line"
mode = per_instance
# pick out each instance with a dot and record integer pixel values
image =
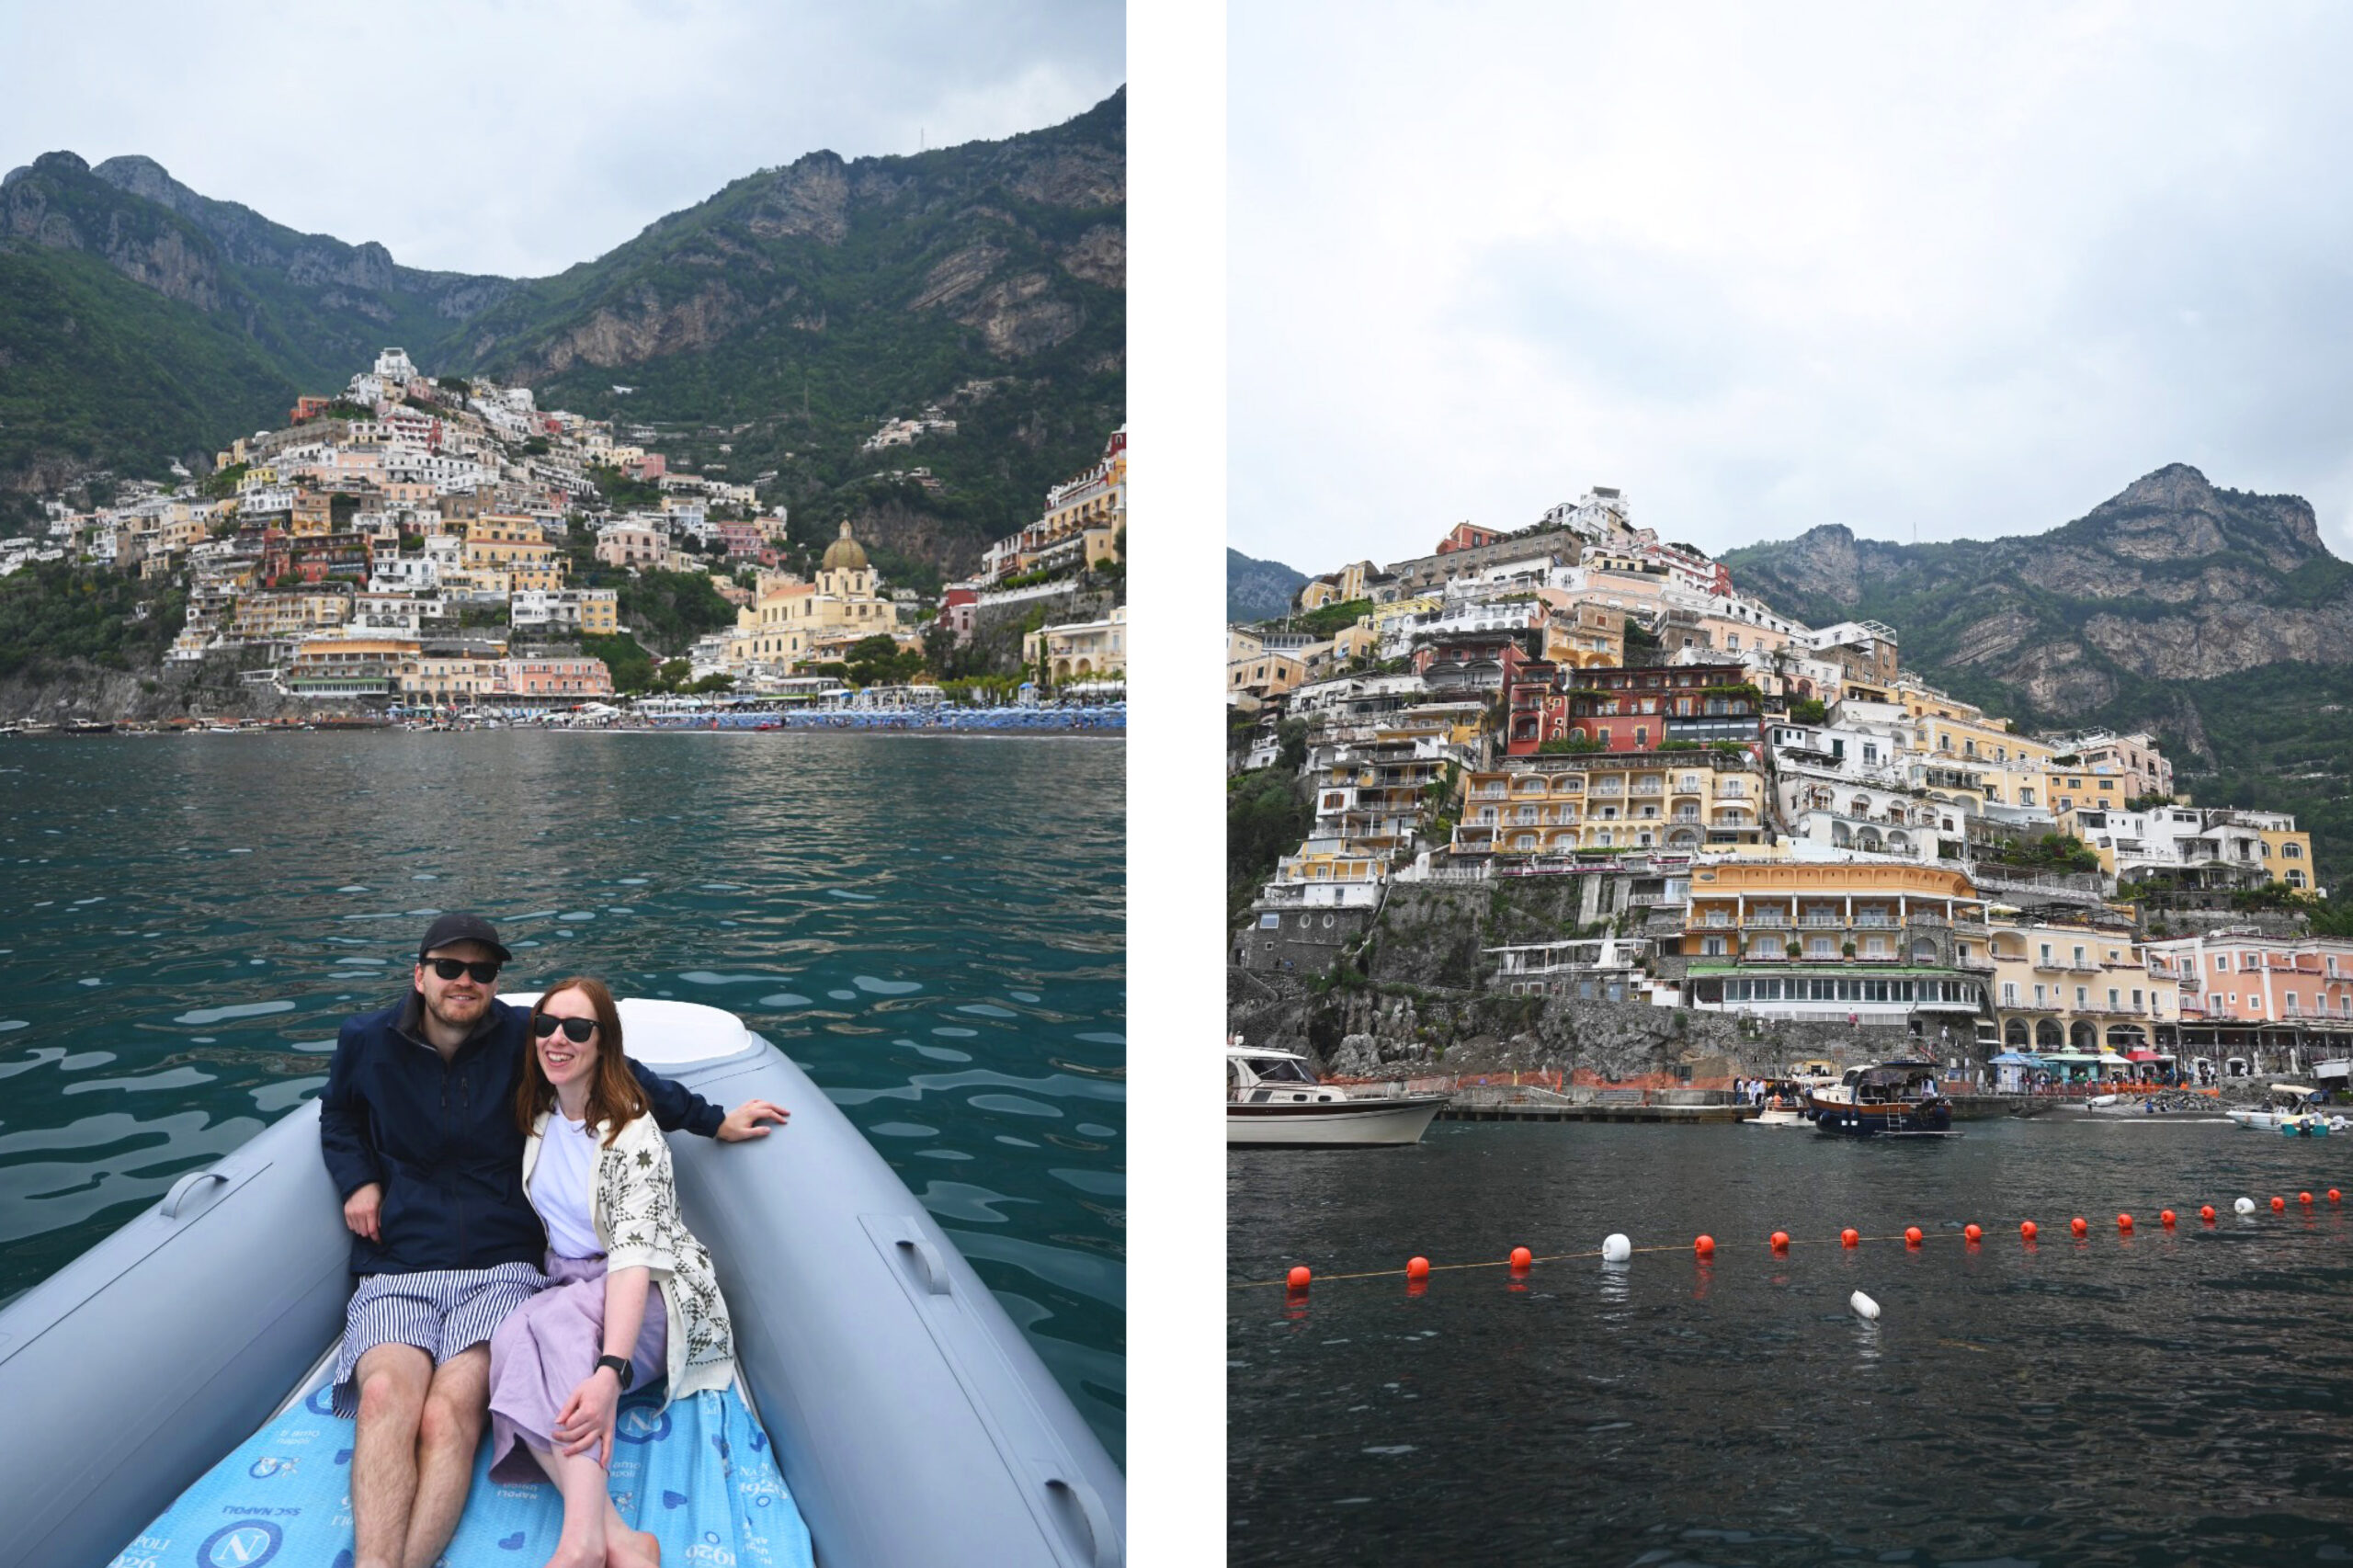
(1616, 1249)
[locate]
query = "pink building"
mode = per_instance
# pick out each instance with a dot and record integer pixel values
(572, 677)
(2280, 1003)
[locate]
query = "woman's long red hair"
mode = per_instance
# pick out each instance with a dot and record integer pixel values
(615, 1097)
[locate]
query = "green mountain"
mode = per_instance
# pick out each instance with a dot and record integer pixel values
(1257, 590)
(772, 328)
(2216, 619)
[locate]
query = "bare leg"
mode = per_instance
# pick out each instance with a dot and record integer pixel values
(448, 1433)
(392, 1381)
(587, 1505)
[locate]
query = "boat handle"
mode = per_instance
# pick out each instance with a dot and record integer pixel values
(178, 1198)
(1103, 1542)
(929, 1266)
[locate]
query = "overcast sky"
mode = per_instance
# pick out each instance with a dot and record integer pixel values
(1967, 270)
(521, 136)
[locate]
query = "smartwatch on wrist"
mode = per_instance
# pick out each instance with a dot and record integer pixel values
(621, 1369)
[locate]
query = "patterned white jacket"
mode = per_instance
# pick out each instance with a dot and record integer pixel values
(635, 1208)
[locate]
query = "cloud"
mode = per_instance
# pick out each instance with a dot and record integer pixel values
(520, 137)
(1966, 273)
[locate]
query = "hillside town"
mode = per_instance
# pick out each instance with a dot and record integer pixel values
(1729, 813)
(410, 542)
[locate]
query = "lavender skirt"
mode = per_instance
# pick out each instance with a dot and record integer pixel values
(544, 1349)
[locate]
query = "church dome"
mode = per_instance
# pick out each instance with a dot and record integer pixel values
(845, 554)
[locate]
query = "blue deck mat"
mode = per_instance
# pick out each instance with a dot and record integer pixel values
(700, 1475)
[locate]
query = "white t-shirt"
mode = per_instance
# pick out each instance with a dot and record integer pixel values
(560, 1186)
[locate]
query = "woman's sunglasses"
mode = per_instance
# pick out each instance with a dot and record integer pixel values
(576, 1030)
(449, 969)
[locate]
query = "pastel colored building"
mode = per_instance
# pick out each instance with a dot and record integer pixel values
(1881, 945)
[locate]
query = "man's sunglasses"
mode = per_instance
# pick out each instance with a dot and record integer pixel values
(576, 1030)
(449, 969)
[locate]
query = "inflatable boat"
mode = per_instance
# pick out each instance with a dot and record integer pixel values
(910, 1420)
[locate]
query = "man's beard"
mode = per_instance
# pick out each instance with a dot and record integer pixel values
(443, 1010)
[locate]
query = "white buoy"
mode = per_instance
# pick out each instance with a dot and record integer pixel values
(1616, 1249)
(1864, 1306)
(2245, 1205)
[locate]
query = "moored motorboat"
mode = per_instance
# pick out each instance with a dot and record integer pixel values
(1272, 1099)
(911, 1420)
(1884, 1099)
(2292, 1109)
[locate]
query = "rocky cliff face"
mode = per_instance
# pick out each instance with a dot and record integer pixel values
(2172, 579)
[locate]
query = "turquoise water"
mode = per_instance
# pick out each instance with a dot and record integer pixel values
(934, 928)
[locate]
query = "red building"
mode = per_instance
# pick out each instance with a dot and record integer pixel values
(308, 408)
(1463, 536)
(1633, 709)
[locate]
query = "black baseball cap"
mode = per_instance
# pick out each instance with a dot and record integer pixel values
(462, 927)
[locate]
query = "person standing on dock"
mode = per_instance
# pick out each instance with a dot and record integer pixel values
(417, 1128)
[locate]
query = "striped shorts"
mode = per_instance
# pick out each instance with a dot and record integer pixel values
(441, 1311)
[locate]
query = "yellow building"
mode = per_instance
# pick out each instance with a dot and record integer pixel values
(1948, 733)
(1339, 588)
(1079, 651)
(599, 610)
(515, 546)
(1887, 914)
(449, 677)
(2289, 853)
(2073, 988)
(790, 621)
(1679, 802)
(270, 616)
(1581, 634)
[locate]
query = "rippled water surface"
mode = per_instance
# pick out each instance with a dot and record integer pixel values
(2183, 1397)
(932, 927)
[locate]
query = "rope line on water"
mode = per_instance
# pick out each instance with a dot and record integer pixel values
(2125, 1225)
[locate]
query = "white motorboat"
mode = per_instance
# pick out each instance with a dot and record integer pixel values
(1781, 1115)
(1272, 1099)
(2293, 1111)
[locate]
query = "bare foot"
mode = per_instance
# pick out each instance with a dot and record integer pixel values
(631, 1548)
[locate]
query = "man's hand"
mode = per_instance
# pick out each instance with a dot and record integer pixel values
(362, 1208)
(745, 1120)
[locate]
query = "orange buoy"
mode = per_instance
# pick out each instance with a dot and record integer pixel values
(2124, 1222)
(1417, 1269)
(2305, 1198)
(2079, 1225)
(1521, 1258)
(1911, 1236)
(2333, 1195)
(1850, 1237)
(2278, 1204)
(2165, 1217)
(1299, 1277)
(1705, 1246)
(1781, 1240)
(1970, 1233)
(2026, 1230)
(2206, 1212)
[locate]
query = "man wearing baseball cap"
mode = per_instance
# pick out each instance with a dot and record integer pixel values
(418, 1129)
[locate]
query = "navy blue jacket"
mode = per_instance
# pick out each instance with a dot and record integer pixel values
(441, 1138)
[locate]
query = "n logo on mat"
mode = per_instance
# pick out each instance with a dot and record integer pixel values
(248, 1543)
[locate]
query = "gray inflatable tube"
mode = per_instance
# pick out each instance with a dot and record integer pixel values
(911, 1420)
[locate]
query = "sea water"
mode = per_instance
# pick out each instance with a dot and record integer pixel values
(932, 927)
(2172, 1396)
